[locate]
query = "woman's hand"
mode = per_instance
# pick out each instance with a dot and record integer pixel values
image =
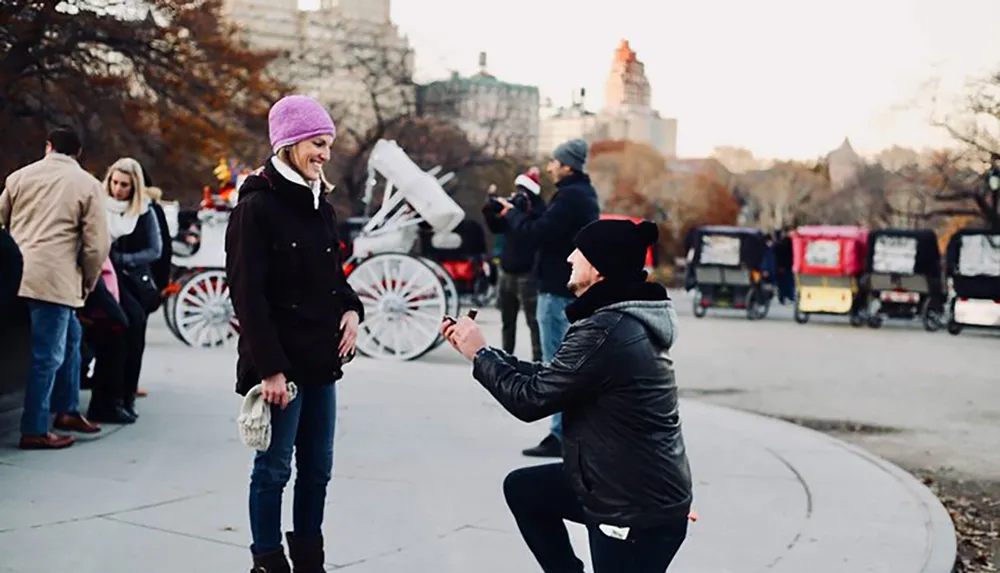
(349, 332)
(275, 391)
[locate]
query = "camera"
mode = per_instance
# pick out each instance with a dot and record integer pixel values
(518, 200)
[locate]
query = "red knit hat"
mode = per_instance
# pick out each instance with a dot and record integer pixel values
(529, 181)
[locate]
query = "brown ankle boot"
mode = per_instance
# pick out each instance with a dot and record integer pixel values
(306, 553)
(273, 562)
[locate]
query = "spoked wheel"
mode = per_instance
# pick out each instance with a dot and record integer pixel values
(405, 301)
(168, 314)
(203, 313)
(453, 302)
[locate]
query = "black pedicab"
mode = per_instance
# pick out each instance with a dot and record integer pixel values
(728, 265)
(903, 277)
(972, 264)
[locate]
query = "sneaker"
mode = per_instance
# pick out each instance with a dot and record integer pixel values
(550, 447)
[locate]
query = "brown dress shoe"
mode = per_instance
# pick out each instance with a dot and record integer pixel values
(48, 441)
(141, 393)
(75, 423)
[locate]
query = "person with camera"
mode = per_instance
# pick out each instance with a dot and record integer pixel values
(625, 473)
(517, 287)
(573, 206)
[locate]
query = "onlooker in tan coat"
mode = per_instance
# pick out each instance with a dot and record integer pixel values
(55, 212)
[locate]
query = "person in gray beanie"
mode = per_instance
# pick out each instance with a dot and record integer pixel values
(572, 154)
(573, 206)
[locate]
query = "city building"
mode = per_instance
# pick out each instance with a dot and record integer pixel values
(499, 115)
(627, 113)
(341, 53)
(566, 123)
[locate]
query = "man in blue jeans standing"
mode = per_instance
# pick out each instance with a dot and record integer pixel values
(572, 208)
(55, 212)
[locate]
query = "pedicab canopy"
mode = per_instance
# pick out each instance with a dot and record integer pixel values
(905, 252)
(717, 245)
(825, 250)
(973, 263)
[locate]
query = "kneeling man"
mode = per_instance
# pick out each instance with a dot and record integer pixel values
(625, 471)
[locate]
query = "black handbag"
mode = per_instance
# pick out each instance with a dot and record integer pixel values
(140, 284)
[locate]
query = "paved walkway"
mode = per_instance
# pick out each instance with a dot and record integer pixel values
(421, 453)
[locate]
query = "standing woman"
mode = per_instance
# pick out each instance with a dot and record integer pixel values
(298, 320)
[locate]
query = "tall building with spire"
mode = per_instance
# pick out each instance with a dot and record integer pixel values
(627, 113)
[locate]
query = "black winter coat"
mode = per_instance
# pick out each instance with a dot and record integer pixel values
(612, 378)
(286, 279)
(519, 252)
(573, 207)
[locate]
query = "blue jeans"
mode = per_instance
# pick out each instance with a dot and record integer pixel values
(54, 379)
(307, 426)
(552, 326)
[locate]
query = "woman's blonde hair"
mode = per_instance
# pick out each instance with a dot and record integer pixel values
(285, 154)
(132, 168)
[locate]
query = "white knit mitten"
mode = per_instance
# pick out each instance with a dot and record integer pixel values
(254, 421)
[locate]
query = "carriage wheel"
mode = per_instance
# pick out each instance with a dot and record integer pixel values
(169, 306)
(203, 313)
(454, 302)
(405, 301)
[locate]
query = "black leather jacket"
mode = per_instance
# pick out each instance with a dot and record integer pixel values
(614, 382)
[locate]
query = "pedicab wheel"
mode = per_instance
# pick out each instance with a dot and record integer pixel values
(756, 308)
(696, 306)
(405, 301)
(875, 321)
(799, 316)
(452, 300)
(203, 313)
(954, 328)
(857, 319)
(931, 317)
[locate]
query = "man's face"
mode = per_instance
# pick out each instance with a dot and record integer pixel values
(583, 275)
(556, 170)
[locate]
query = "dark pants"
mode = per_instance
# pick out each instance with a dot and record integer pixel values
(110, 351)
(517, 292)
(540, 498)
(305, 427)
(135, 345)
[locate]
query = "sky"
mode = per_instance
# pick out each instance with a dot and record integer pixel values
(783, 78)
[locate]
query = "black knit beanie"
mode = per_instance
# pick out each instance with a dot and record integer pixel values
(617, 247)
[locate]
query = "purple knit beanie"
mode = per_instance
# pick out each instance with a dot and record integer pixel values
(297, 117)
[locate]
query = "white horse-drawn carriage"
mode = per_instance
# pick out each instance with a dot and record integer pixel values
(405, 295)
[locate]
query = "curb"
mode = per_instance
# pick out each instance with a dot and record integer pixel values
(941, 549)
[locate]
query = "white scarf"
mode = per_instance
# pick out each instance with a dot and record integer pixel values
(293, 176)
(120, 223)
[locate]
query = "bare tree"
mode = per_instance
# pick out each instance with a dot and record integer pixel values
(167, 84)
(788, 194)
(963, 179)
(366, 77)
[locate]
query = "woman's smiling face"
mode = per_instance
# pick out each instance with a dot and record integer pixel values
(310, 155)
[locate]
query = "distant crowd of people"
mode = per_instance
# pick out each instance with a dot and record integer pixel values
(88, 258)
